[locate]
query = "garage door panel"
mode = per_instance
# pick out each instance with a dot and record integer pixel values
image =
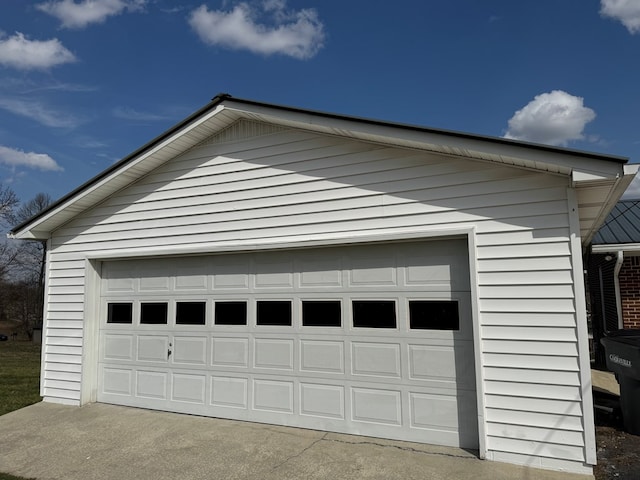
(437, 264)
(192, 282)
(229, 392)
(190, 350)
(116, 381)
(153, 348)
(319, 400)
(273, 395)
(320, 272)
(322, 356)
(273, 271)
(151, 384)
(434, 411)
(119, 278)
(376, 359)
(118, 347)
(273, 353)
(230, 273)
(372, 271)
(396, 379)
(192, 274)
(230, 352)
(155, 281)
(376, 406)
(188, 388)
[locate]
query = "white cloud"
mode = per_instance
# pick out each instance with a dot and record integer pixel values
(38, 112)
(20, 52)
(625, 11)
(127, 113)
(298, 34)
(61, 87)
(553, 118)
(18, 158)
(79, 15)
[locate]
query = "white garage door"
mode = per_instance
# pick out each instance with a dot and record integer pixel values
(371, 340)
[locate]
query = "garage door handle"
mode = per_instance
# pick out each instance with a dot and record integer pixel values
(169, 352)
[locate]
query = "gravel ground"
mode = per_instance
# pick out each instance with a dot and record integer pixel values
(618, 451)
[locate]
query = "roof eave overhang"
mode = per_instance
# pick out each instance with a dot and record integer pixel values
(597, 195)
(584, 167)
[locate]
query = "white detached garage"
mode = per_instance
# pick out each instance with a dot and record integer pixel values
(278, 265)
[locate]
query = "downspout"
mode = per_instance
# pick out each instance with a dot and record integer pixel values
(602, 302)
(616, 282)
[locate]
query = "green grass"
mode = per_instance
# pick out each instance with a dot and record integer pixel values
(19, 380)
(19, 375)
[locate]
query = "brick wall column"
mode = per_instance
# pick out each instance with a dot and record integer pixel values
(629, 281)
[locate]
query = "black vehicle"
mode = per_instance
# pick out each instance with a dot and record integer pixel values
(3, 338)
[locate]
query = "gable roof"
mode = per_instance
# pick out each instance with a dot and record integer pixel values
(621, 227)
(599, 179)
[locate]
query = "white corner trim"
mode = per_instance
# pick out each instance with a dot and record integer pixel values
(90, 337)
(477, 343)
(580, 304)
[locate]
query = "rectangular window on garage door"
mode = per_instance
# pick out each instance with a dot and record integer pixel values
(273, 312)
(230, 313)
(191, 313)
(434, 315)
(121, 312)
(153, 313)
(374, 313)
(321, 313)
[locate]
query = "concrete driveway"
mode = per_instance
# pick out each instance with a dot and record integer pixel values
(98, 441)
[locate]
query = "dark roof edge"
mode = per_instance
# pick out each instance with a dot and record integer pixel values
(219, 98)
(440, 131)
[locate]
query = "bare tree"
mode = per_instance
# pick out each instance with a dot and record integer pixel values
(8, 202)
(22, 296)
(32, 253)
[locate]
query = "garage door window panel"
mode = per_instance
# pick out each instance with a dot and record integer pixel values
(321, 313)
(121, 313)
(374, 313)
(153, 313)
(434, 315)
(191, 313)
(230, 313)
(273, 312)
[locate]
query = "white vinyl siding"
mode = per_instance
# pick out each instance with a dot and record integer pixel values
(295, 186)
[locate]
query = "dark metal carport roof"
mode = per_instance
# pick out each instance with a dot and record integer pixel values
(622, 225)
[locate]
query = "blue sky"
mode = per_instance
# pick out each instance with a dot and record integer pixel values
(85, 82)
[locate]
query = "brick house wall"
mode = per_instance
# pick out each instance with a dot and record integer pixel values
(629, 281)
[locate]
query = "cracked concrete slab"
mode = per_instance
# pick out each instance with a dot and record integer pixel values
(98, 442)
